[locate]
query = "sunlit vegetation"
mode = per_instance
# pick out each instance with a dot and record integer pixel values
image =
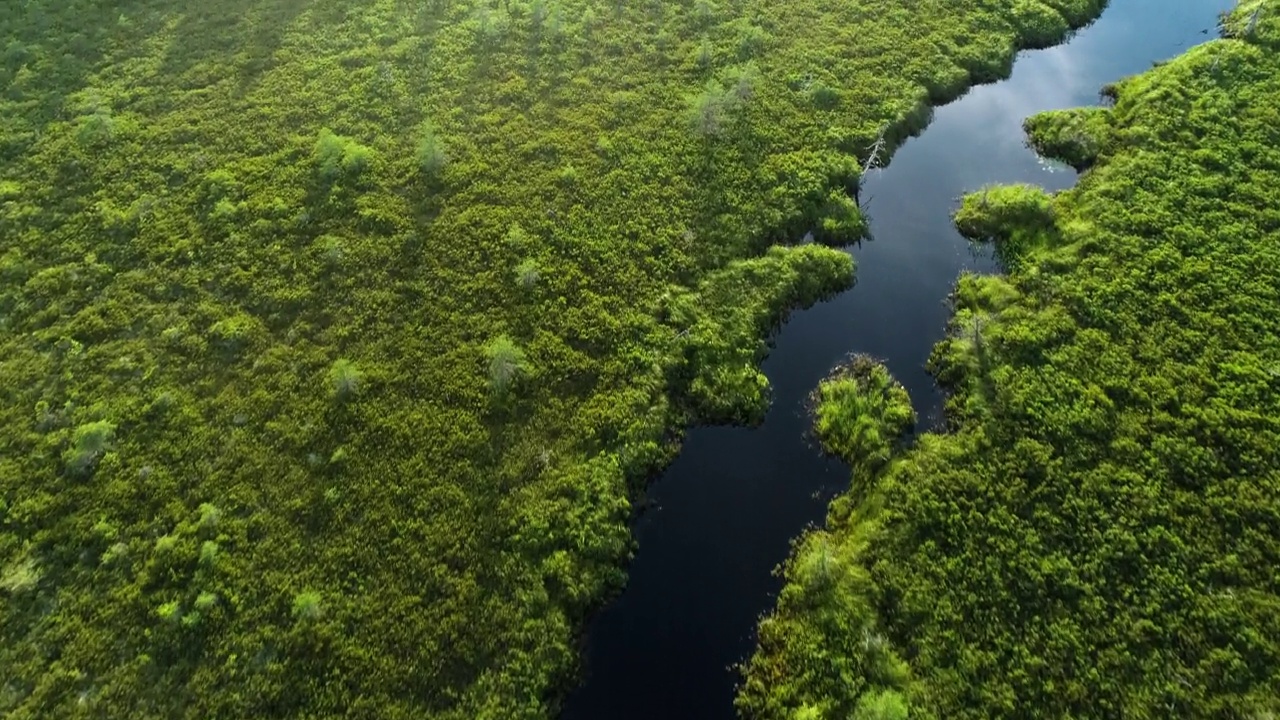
(1021, 217)
(345, 379)
(823, 652)
(1074, 136)
(1097, 535)
(860, 411)
(336, 336)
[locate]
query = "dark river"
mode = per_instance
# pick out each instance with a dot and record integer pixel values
(728, 507)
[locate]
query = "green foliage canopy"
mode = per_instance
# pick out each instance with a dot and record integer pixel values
(204, 204)
(1097, 535)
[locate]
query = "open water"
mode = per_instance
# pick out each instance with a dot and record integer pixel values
(727, 509)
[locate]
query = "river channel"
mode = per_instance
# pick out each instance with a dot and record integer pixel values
(724, 513)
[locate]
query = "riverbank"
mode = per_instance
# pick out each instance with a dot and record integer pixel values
(1094, 535)
(668, 645)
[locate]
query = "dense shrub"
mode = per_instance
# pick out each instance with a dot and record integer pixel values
(1074, 136)
(345, 379)
(822, 652)
(204, 204)
(1097, 535)
(860, 412)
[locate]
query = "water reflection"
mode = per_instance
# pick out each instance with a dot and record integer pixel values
(733, 500)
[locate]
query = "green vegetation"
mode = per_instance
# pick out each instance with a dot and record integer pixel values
(1097, 535)
(507, 363)
(265, 283)
(1075, 136)
(345, 378)
(822, 652)
(860, 411)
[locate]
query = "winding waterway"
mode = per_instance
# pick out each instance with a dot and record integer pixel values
(728, 507)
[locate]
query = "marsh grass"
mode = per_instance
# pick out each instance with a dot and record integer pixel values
(1112, 410)
(203, 205)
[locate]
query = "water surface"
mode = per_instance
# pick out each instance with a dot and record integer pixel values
(728, 507)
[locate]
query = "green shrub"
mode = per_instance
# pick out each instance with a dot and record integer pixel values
(166, 544)
(89, 443)
(10, 190)
(881, 705)
(840, 221)
(336, 156)
(741, 83)
(96, 129)
(709, 111)
(170, 612)
(356, 159)
(431, 152)
(20, 576)
(507, 363)
(704, 11)
(115, 554)
(860, 412)
(823, 96)
(1039, 25)
(308, 606)
(345, 379)
(1001, 212)
(528, 274)
(1074, 136)
(208, 553)
(704, 56)
(751, 41)
(210, 516)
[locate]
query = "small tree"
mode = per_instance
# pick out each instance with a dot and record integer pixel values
(88, 444)
(345, 379)
(707, 111)
(210, 516)
(431, 154)
(335, 156)
(507, 363)
(20, 576)
(861, 412)
(751, 41)
(824, 97)
(528, 274)
(538, 13)
(308, 605)
(742, 83)
(517, 239)
(328, 154)
(170, 612)
(704, 11)
(356, 158)
(96, 129)
(704, 55)
(208, 553)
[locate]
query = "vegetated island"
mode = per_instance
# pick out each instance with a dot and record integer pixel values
(336, 336)
(1098, 532)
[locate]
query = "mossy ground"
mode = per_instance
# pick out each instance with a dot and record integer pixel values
(1097, 535)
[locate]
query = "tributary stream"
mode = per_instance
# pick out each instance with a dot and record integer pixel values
(724, 513)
